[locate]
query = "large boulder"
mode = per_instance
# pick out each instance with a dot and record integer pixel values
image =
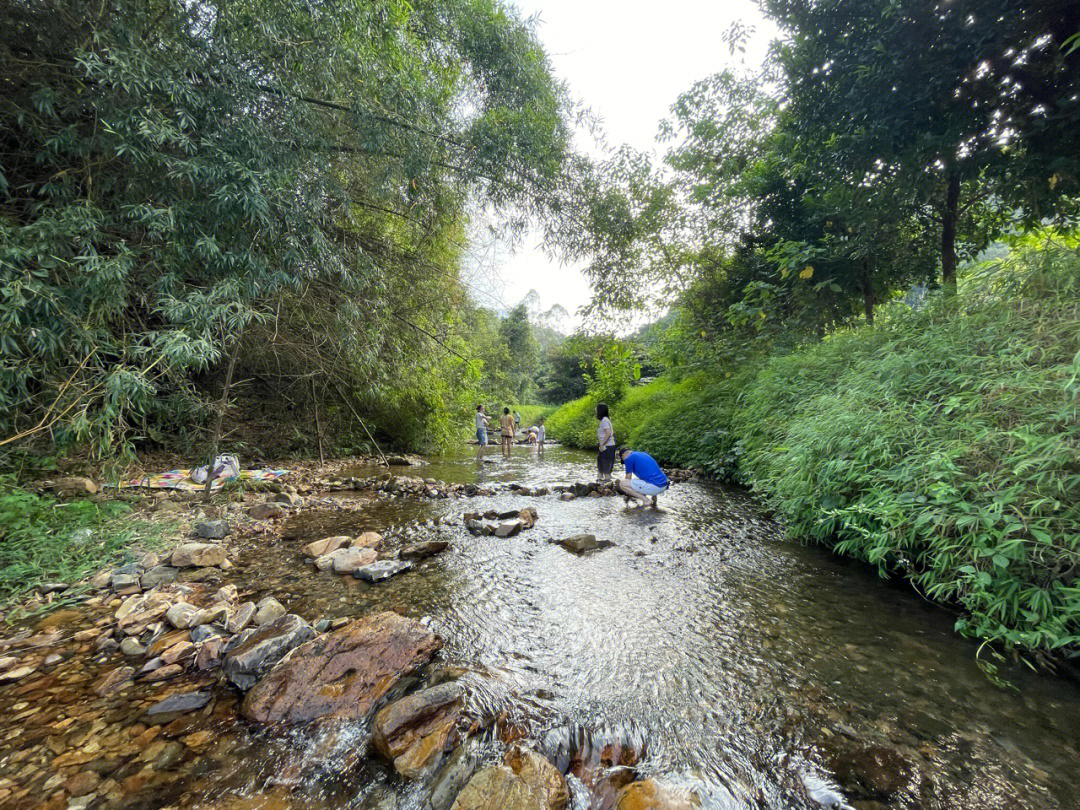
(346, 560)
(198, 555)
(526, 781)
(344, 674)
(256, 655)
(416, 730)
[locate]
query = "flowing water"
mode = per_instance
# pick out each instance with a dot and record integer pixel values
(752, 669)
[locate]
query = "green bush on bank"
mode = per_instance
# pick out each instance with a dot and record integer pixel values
(941, 444)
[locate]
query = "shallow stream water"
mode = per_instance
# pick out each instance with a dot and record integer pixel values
(750, 668)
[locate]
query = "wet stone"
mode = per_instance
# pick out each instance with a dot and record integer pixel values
(381, 570)
(268, 610)
(580, 543)
(420, 551)
(204, 632)
(255, 655)
(240, 617)
(167, 710)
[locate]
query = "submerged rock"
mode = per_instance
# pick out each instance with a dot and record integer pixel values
(527, 781)
(255, 655)
(420, 551)
(650, 795)
(580, 543)
(343, 674)
(415, 731)
(875, 771)
(167, 710)
(346, 560)
(381, 570)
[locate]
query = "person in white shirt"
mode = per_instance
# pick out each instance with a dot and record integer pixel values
(481, 427)
(605, 439)
(540, 432)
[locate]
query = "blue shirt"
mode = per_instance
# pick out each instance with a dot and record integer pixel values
(644, 467)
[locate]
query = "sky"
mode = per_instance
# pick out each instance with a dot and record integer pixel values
(627, 60)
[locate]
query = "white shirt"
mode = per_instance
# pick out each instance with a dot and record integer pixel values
(605, 427)
(480, 417)
(540, 432)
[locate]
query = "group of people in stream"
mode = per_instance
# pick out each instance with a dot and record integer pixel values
(644, 481)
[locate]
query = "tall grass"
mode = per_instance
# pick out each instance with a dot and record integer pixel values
(942, 445)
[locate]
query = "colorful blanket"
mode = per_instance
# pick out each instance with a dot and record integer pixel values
(181, 479)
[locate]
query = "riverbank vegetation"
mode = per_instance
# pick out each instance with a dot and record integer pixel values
(868, 253)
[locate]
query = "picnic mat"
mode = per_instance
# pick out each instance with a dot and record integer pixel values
(181, 479)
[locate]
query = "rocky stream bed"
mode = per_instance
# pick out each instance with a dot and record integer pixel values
(486, 633)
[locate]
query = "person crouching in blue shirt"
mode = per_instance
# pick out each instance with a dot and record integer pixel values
(644, 479)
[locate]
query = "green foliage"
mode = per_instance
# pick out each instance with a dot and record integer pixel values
(574, 423)
(615, 368)
(941, 444)
(279, 182)
(42, 539)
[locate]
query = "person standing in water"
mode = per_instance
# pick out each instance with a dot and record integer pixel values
(644, 479)
(541, 434)
(506, 425)
(481, 428)
(605, 439)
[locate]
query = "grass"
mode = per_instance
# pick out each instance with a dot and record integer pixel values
(942, 445)
(46, 540)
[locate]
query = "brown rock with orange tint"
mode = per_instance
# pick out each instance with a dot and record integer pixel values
(343, 674)
(649, 795)
(416, 730)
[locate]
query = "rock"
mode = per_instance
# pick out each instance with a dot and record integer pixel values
(319, 548)
(213, 529)
(74, 485)
(204, 632)
(343, 674)
(178, 653)
(288, 498)
(210, 652)
(368, 540)
(420, 551)
(267, 511)
(875, 771)
(528, 517)
(414, 732)
(227, 593)
(240, 617)
(52, 587)
(168, 507)
(268, 610)
(18, 672)
(381, 570)
(460, 765)
(158, 575)
(398, 461)
(649, 795)
(82, 783)
(182, 615)
(131, 646)
(167, 710)
(255, 655)
(580, 543)
(141, 610)
(509, 514)
(475, 527)
(568, 496)
(215, 613)
(198, 555)
(540, 491)
(165, 672)
(508, 528)
(346, 560)
(124, 582)
(119, 678)
(498, 787)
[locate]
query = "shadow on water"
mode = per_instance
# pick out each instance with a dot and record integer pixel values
(703, 647)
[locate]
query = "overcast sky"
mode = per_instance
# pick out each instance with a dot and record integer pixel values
(627, 60)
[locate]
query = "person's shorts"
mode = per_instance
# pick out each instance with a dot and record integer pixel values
(605, 460)
(481, 436)
(642, 487)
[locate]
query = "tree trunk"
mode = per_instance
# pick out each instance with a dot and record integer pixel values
(868, 291)
(949, 216)
(318, 427)
(215, 437)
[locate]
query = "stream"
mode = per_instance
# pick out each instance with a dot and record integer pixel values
(751, 669)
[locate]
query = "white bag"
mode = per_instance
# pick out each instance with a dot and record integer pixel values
(225, 466)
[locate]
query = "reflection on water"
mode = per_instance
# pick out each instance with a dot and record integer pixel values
(721, 655)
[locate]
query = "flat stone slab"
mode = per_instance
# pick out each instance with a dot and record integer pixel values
(580, 543)
(175, 705)
(420, 551)
(381, 570)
